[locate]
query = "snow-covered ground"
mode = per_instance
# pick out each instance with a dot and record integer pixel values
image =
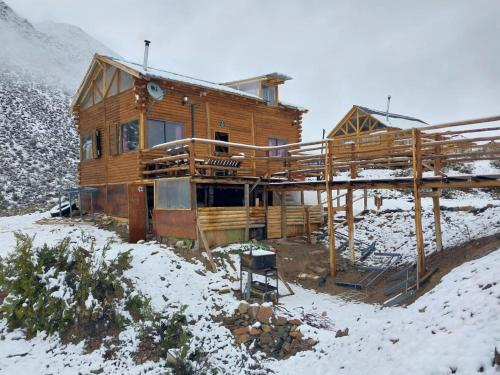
(453, 328)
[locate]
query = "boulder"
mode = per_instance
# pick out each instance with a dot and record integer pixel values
(254, 331)
(240, 331)
(243, 308)
(241, 339)
(296, 334)
(295, 322)
(279, 321)
(265, 313)
(265, 339)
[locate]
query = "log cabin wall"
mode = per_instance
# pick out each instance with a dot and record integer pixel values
(245, 120)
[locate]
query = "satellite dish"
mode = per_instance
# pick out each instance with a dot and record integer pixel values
(155, 91)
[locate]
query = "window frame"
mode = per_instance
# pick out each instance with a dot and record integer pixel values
(274, 88)
(87, 136)
(221, 153)
(277, 153)
(120, 136)
(165, 123)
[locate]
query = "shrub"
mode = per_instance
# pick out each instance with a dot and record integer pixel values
(61, 289)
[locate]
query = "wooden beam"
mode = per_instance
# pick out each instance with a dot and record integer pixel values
(435, 202)
(350, 224)
(331, 230)
(206, 246)
(417, 177)
(247, 211)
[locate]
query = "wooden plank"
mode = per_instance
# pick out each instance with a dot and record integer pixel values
(206, 246)
(417, 176)
(247, 211)
(350, 224)
(331, 230)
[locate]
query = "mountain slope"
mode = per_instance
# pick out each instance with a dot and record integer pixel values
(40, 68)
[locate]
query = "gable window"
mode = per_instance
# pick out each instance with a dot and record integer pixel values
(129, 136)
(164, 131)
(87, 147)
(269, 94)
(221, 136)
(277, 142)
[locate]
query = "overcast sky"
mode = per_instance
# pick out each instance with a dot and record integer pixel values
(440, 60)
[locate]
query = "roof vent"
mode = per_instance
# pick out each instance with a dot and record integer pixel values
(146, 51)
(388, 105)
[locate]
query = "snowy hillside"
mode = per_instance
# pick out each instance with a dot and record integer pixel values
(39, 146)
(40, 68)
(453, 329)
(54, 53)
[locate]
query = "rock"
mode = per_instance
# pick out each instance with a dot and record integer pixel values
(265, 339)
(240, 331)
(224, 290)
(243, 308)
(254, 331)
(343, 333)
(295, 322)
(266, 328)
(241, 339)
(253, 310)
(265, 313)
(179, 244)
(279, 321)
(311, 342)
(296, 334)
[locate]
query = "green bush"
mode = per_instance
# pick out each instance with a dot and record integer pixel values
(61, 288)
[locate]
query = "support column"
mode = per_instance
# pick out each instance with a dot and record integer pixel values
(417, 176)
(247, 212)
(331, 230)
(350, 224)
(365, 200)
(435, 201)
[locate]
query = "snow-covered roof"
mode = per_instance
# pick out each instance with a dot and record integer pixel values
(394, 120)
(156, 73)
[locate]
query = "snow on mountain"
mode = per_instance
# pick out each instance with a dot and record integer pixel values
(40, 68)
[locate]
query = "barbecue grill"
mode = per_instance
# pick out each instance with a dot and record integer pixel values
(263, 263)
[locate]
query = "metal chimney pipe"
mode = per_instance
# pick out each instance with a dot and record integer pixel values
(388, 105)
(146, 51)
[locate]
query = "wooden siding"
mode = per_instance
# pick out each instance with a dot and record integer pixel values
(296, 220)
(175, 223)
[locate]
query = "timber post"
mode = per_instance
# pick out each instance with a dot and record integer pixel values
(331, 230)
(435, 200)
(247, 212)
(350, 224)
(417, 177)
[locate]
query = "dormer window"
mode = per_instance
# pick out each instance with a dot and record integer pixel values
(269, 94)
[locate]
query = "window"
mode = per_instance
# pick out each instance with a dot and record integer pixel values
(269, 94)
(163, 131)
(129, 136)
(277, 142)
(250, 87)
(126, 81)
(173, 193)
(87, 147)
(370, 140)
(220, 136)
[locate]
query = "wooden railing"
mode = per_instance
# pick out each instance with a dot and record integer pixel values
(384, 149)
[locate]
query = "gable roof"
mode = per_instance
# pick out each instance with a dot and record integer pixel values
(137, 70)
(393, 120)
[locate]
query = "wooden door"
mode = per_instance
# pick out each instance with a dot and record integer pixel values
(137, 212)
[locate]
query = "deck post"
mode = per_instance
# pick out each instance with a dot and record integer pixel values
(247, 212)
(417, 177)
(365, 200)
(350, 224)
(331, 230)
(435, 201)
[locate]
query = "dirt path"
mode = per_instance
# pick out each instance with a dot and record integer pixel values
(295, 257)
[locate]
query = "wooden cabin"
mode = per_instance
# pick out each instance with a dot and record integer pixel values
(368, 128)
(125, 111)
